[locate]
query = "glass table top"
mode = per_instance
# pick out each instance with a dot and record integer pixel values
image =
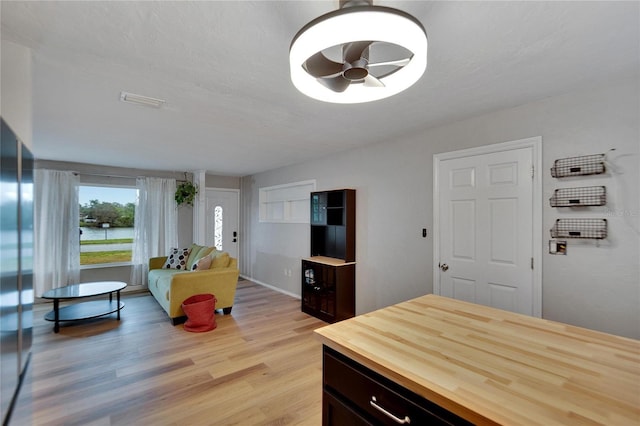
(84, 290)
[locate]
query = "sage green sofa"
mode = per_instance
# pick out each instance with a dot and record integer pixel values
(170, 287)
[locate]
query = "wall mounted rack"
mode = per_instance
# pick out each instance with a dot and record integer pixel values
(580, 228)
(579, 197)
(578, 166)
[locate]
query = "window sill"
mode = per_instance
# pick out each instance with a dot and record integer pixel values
(105, 265)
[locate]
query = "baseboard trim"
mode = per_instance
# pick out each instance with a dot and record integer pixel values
(279, 290)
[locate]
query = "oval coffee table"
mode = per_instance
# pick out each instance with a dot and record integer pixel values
(84, 310)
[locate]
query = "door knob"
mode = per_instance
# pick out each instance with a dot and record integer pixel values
(444, 266)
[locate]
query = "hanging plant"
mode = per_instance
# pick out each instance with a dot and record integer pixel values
(186, 193)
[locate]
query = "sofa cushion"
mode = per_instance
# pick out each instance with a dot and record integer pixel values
(177, 259)
(195, 248)
(197, 253)
(163, 283)
(203, 263)
(221, 260)
(161, 278)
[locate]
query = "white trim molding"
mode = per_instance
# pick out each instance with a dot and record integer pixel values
(199, 208)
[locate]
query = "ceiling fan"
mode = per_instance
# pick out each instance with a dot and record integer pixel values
(358, 53)
(355, 67)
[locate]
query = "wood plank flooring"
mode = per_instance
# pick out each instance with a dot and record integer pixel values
(261, 365)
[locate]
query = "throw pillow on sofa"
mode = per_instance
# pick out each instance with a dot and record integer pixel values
(197, 253)
(177, 259)
(194, 249)
(203, 263)
(220, 260)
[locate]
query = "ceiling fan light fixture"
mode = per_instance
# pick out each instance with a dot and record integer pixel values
(132, 98)
(352, 24)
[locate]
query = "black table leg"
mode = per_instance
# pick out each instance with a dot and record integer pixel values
(118, 304)
(56, 313)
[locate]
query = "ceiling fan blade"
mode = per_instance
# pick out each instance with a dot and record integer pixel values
(353, 51)
(398, 63)
(319, 65)
(371, 81)
(337, 84)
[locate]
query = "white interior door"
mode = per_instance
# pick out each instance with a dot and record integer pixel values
(485, 211)
(222, 218)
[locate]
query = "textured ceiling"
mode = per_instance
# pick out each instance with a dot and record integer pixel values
(222, 67)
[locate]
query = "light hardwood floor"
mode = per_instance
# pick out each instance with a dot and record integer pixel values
(262, 365)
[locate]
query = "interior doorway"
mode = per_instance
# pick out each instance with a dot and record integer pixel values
(222, 219)
(487, 222)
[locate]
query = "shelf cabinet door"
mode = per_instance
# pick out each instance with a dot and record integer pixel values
(319, 290)
(328, 292)
(318, 208)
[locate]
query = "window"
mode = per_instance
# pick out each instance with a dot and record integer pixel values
(106, 224)
(217, 233)
(287, 203)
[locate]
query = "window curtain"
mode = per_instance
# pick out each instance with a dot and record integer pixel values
(156, 224)
(57, 231)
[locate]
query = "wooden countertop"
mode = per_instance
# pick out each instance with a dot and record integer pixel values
(496, 367)
(331, 261)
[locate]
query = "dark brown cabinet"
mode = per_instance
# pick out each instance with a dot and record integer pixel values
(333, 224)
(356, 395)
(328, 290)
(328, 276)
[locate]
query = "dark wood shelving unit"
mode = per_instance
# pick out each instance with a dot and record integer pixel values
(328, 276)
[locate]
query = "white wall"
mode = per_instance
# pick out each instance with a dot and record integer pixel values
(227, 182)
(595, 286)
(15, 90)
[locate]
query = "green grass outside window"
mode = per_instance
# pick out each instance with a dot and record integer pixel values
(97, 257)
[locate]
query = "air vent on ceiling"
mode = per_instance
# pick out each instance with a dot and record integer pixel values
(132, 98)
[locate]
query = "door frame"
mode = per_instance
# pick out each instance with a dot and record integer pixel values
(237, 191)
(535, 143)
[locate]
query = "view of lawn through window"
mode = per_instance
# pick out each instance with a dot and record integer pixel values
(106, 224)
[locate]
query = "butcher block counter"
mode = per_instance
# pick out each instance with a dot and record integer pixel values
(482, 365)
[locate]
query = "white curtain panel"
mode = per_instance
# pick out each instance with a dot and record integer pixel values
(156, 224)
(57, 231)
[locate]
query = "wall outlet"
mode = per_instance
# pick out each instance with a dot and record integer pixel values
(557, 247)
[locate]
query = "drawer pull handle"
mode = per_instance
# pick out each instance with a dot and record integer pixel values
(374, 404)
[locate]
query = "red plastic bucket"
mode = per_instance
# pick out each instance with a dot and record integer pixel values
(200, 312)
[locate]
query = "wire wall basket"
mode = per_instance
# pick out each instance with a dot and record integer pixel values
(576, 197)
(580, 228)
(578, 166)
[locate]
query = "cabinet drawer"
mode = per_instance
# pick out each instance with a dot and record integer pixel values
(336, 413)
(379, 399)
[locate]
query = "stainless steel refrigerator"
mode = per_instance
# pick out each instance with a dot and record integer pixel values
(16, 266)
